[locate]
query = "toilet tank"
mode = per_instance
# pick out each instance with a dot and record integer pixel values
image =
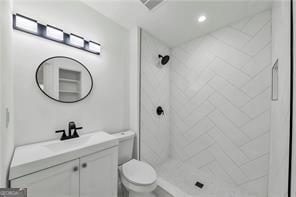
(126, 143)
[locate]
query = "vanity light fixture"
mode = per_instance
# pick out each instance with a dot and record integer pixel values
(26, 24)
(31, 26)
(95, 47)
(76, 40)
(54, 33)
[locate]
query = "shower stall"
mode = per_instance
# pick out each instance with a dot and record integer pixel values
(214, 135)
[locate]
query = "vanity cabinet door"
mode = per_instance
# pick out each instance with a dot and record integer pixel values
(98, 174)
(58, 181)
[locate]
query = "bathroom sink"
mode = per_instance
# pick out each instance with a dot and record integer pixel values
(67, 145)
(33, 157)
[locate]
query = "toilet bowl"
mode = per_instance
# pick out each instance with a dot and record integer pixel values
(138, 176)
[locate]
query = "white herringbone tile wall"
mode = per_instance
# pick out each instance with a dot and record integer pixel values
(220, 103)
(155, 92)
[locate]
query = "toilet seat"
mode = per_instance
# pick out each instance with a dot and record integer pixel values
(139, 172)
(138, 176)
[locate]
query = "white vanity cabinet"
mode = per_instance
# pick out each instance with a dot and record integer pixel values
(90, 176)
(88, 171)
(60, 181)
(98, 174)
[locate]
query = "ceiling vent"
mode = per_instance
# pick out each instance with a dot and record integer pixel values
(150, 4)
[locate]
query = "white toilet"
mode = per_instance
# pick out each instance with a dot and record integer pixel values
(138, 177)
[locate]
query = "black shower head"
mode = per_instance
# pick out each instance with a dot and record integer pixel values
(164, 59)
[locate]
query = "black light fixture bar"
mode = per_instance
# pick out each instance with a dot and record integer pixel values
(49, 32)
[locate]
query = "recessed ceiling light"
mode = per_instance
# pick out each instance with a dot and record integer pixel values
(202, 18)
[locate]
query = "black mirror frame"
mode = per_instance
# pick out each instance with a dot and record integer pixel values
(36, 79)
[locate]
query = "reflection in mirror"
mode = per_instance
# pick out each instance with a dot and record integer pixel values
(64, 79)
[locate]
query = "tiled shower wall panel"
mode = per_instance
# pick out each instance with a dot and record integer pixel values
(220, 103)
(155, 135)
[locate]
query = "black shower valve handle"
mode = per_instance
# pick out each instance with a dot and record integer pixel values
(159, 111)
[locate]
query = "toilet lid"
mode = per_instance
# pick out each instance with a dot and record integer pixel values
(139, 172)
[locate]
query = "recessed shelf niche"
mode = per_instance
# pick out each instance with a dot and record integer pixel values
(69, 85)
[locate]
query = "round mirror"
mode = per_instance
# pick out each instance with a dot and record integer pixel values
(64, 79)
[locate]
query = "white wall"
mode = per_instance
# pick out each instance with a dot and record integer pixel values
(134, 84)
(279, 149)
(155, 85)
(106, 108)
(220, 103)
(6, 88)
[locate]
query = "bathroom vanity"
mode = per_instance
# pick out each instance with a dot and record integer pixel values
(85, 166)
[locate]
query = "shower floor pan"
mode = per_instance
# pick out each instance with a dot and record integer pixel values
(177, 179)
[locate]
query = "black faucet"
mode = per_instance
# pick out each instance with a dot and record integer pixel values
(74, 134)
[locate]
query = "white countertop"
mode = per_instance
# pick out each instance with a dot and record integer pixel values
(34, 157)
